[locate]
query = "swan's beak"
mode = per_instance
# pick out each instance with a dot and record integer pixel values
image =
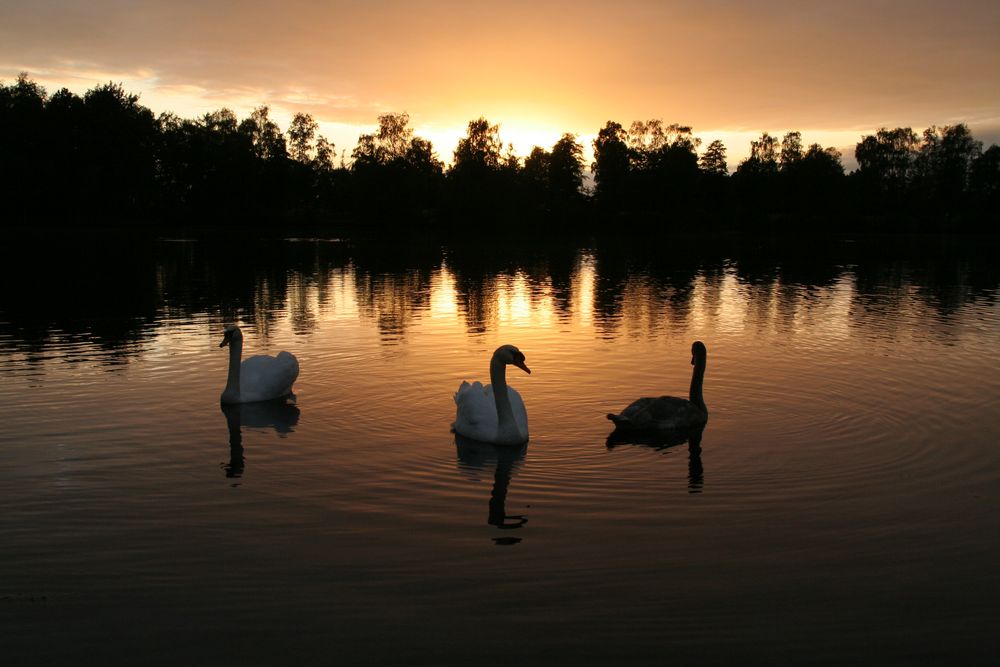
(520, 364)
(225, 339)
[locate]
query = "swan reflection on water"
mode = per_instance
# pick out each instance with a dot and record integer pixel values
(696, 472)
(475, 456)
(279, 415)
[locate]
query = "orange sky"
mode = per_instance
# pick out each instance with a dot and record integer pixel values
(731, 69)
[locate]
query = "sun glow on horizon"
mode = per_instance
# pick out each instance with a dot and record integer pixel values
(340, 118)
(522, 136)
(538, 70)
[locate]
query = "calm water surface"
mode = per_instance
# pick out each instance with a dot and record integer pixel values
(841, 507)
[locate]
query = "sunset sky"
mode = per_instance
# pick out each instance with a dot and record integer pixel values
(730, 69)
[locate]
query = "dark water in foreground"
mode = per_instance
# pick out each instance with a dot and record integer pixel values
(842, 506)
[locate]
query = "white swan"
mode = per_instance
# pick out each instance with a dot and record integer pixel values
(494, 413)
(668, 416)
(258, 378)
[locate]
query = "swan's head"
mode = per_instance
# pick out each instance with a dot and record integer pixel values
(698, 353)
(232, 333)
(513, 356)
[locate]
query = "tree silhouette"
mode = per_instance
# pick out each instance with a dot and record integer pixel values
(301, 134)
(763, 156)
(119, 139)
(712, 193)
(325, 152)
(943, 166)
(223, 121)
(264, 135)
(813, 185)
(482, 177)
(393, 161)
(386, 145)
(791, 150)
(663, 167)
(64, 146)
(885, 173)
(22, 129)
(480, 150)
(566, 171)
(886, 158)
(713, 160)
(536, 177)
(103, 158)
(553, 181)
(819, 162)
(984, 189)
(611, 165)
(420, 157)
(755, 181)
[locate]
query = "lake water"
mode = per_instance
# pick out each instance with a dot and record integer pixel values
(841, 507)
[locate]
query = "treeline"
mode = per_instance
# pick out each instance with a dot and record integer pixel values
(104, 159)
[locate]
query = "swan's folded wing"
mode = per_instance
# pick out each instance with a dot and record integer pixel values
(263, 377)
(660, 414)
(472, 391)
(669, 408)
(644, 412)
(638, 410)
(475, 414)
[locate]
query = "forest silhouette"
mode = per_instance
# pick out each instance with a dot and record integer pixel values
(104, 160)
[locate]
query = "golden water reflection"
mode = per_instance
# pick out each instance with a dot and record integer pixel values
(608, 293)
(636, 305)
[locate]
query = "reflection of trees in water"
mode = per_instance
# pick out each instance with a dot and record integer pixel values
(392, 283)
(477, 305)
(529, 277)
(393, 301)
(301, 309)
(644, 308)
(710, 285)
(487, 300)
(645, 288)
(781, 308)
(116, 294)
(922, 283)
(252, 283)
(61, 286)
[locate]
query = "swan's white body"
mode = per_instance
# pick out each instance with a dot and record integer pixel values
(476, 416)
(257, 378)
(494, 413)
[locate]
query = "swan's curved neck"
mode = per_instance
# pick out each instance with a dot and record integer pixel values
(231, 394)
(697, 377)
(506, 426)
